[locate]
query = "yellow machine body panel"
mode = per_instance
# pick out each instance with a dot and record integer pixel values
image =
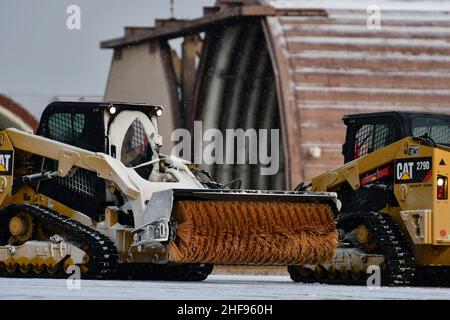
(441, 208)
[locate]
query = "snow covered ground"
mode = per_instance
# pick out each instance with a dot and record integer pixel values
(216, 287)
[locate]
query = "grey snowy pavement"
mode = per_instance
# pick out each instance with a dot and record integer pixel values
(216, 287)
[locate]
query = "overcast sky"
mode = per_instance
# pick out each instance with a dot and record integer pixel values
(40, 57)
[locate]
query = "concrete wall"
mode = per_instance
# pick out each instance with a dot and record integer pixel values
(143, 74)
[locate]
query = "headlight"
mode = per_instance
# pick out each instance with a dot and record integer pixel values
(442, 190)
(159, 111)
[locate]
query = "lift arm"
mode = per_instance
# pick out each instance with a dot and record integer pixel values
(351, 171)
(69, 156)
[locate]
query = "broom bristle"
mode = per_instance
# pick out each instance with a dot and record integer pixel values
(253, 233)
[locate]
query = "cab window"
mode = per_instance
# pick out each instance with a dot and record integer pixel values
(436, 128)
(136, 147)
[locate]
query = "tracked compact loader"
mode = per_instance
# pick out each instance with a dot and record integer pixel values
(395, 208)
(92, 190)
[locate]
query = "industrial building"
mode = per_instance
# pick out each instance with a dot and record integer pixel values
(292, 65)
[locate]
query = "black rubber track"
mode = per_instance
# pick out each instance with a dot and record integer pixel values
(103, 263)
(102, 251)
(400, 266)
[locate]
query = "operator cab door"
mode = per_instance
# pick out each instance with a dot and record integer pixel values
(130, 138)
(80, 126)
(369, 135)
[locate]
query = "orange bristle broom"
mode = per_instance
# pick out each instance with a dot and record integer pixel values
(253, 233)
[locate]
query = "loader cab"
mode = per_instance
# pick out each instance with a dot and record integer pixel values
(124, 131)
(369, 132)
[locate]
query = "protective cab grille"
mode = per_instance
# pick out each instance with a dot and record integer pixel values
(372, 137)
(69, 128)
(82, 182)
(81, 127)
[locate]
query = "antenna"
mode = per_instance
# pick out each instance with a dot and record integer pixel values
(172, 9)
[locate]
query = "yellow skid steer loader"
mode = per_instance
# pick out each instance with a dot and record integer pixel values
(395, 214)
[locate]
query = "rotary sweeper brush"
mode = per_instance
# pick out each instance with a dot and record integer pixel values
(91, 189)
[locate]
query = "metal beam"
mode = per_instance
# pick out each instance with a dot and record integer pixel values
(171, 28)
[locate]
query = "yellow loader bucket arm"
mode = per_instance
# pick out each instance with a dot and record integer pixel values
(70, 157)
(351, 171)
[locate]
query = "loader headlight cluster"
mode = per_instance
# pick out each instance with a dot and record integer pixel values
(159, 111)
(442, 188)
(112, 110)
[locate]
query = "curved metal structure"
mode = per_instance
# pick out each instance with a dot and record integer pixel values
(13, 115)
(236, 89)
(299, 66)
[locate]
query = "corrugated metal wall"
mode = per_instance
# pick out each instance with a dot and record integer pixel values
(335, 65)
(236, 89)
